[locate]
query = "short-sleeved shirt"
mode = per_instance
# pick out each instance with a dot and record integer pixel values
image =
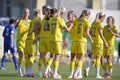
(95, 32)
(57, 24)
(8, 31)
(45, 28)
(23, 28)
(34, 21)
(80, 27)
(108, 35)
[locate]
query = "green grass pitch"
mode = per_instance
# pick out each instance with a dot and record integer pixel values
(11, 73)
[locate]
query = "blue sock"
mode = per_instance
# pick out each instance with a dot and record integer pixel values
(3, 60)
(15, 62)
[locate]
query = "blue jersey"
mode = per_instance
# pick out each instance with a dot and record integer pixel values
(8, 31)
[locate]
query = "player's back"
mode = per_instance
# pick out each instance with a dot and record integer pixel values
(7, 34)
(34, 21)
(57, 24)
(80, 27)
(45, 28)
(95, 32)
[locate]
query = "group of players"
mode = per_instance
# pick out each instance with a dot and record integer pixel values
(48, 32)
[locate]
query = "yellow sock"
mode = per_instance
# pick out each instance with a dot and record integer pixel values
(79, 64)
(104, 66)
(40, 62)
(45, 62)
(49, 63)
(20, 60)
(72, 65)
(93, 63)
(56, 64)
(76, 62)
(110, 66)
(31, 60)
(97, 62)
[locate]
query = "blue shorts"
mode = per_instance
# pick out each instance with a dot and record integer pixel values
(6, 48)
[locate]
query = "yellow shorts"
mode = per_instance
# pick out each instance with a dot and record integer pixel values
(44, 45)
(79, 47)
(108, 51)
(97, 49)
(20, 45)
(56, 47)
(29, 47)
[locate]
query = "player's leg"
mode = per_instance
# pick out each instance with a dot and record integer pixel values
(12, 50)
(98, 50)
(20, 50)
(73, 61)
(57, 51)
(40, 63)
(110, 62)
(81, 49)
(90, 65)
(49, 63)
(72, 64)
(4, 57)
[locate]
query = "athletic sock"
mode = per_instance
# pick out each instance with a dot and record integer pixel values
(97, 66)
(15, 62)
(49, 62)
(72, 65)
(56, 65)
(110, 67)
(3, 60)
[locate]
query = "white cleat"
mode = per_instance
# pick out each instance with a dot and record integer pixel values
(57, 77)
(20, 72)
(99, 77)
(2, 68)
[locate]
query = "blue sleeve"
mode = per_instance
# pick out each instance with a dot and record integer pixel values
(11, 30)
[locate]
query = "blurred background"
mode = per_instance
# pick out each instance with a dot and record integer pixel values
(14, 8)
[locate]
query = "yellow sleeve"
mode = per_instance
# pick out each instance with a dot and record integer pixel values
(115, 29)
(61, 22)
(88, 24)
(100, 26)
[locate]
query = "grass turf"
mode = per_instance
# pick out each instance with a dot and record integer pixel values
(11, 73)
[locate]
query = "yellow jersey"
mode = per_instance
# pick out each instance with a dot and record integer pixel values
(45, 28)
(108, 35)
(95, 32)
(32, 25)
(80, 27)
(57, 24)
(23, 28)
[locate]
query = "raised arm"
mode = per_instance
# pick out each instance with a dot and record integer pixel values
(114, 33)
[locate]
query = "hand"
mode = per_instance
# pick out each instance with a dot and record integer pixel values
(110, 30)
(11, 46)
(91, 41)
(71, 24)
(106, 45)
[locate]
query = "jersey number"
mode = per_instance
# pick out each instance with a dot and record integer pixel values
(78, 29)
(93, 30)
(53, 26)
(7, 32)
